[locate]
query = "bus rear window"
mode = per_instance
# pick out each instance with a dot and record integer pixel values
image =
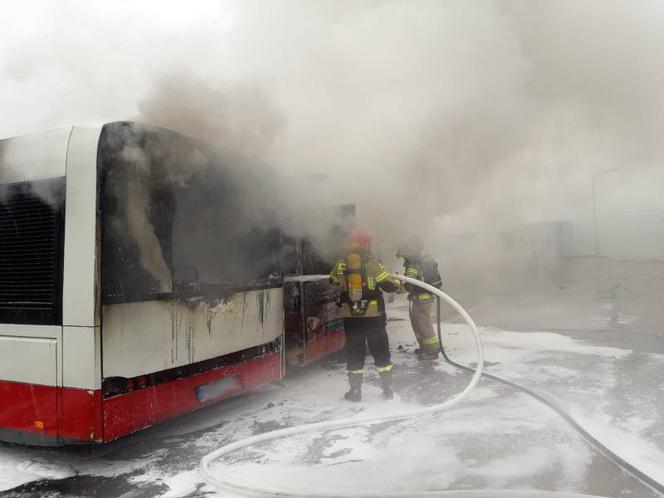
(31, 233)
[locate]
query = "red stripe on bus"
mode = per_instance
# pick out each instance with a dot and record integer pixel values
(324, 345)
(137, 410)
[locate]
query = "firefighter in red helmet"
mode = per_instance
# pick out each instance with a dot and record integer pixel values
(362, 277)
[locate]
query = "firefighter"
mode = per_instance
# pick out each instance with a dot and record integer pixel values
(362, 277)
(424, 268)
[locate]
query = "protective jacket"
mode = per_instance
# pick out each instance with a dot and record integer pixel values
(374, 279)
(425, 269)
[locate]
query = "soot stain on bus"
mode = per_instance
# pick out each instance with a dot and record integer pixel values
(263, 300)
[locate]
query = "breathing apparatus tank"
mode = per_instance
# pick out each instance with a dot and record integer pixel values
(354, 277)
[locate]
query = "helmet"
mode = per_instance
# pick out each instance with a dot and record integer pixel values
(410, 248)
(359, 238)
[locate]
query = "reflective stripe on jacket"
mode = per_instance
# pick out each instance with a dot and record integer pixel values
(414, 270)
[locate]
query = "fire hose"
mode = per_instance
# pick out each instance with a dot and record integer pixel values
(226, 484)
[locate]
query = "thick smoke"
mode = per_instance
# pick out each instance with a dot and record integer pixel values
(239, 117)
(239, 120)
(447, 115)
(434, 117)
(15, 159)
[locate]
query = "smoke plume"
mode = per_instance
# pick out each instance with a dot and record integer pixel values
(434, 117)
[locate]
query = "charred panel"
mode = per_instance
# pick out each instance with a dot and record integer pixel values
(178, 218)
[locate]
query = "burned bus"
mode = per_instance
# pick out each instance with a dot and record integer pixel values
(140, 278)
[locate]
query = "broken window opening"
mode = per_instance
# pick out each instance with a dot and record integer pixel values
(178, 219)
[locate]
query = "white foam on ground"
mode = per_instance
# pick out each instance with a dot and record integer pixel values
(493, 440)
(580, 377)
(627, 443)
(181, 484)
(432, 452)
(503, 345)
(500, 473)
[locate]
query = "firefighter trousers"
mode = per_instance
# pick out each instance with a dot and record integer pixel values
(361, 332)
(420, 319)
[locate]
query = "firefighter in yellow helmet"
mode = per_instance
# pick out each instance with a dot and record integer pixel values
(424, 268)
(362, 277)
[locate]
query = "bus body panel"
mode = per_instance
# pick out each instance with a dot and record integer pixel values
(81, 365)
(80, 293)
(29, 359)
(151, 336)
(81, 419)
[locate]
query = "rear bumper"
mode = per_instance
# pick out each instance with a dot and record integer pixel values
(48, 415)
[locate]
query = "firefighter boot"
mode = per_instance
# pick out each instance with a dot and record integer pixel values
(386, 381)
(430, 349)
(418, 350)
(428, 355)
(355, 392)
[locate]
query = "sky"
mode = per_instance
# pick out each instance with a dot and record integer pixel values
(432, 116)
